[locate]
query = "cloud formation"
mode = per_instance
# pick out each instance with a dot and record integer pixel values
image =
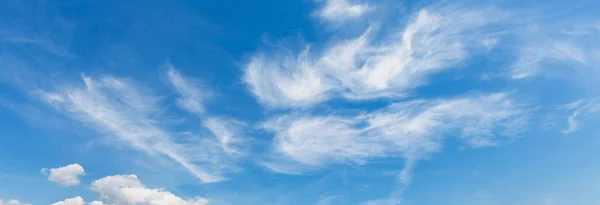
(191, 96)
(65, 176)
(120, 108)
(339, 10)
(411, 129)
(371, 66)
(578, 109)
(573, 46)
(129, 190)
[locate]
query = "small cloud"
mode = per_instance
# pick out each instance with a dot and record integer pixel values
(192, 97)
(577, 109)
(65, 176)
(11, 202)
(132, 114)
(411, 130)
(227, 132)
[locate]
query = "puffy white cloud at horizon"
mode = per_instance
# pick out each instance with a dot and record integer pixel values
(71, 201)
(578, 109)
(128, 189)
(65, 176)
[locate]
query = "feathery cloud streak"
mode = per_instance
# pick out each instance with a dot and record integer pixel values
(411, 129)
(130, 113)
(368, 66)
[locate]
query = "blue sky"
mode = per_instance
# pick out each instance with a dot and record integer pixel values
(310, 102)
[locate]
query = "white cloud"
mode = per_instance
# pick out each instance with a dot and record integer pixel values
(372, 66)
(188, 88)
(283, 81)
(77, 201)
(128, 189)
(338, 10)
(225, 130)
(72, 201)
(13, 36)
(11, 202)
(227, 133)
(542, 49)
(577, 109)
(532, 56)
(133, 115)
(412, 130)
(65, 176)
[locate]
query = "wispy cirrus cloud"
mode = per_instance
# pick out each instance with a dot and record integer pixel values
(387, 61)
(371, 66)
(340, 10)
(131, 114)
(410, 130)
(14, 37)
(548, 48)
(192, 97)
(192, 93)
(577, 110)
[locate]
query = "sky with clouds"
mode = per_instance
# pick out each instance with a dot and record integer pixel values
(300, 102)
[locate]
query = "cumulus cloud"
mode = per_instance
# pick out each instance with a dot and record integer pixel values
(380, 63)
(132, 114)
(128, 189)
(65, 176)
(411, 129)
(72, 201)
(338, 10)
